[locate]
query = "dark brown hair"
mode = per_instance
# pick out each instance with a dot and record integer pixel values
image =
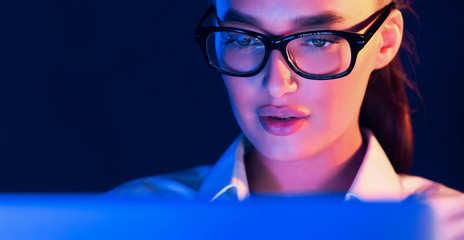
(385, 109)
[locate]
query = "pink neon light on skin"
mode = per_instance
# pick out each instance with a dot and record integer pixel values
(330, 130)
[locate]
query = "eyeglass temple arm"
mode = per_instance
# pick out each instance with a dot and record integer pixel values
(207, 13)
(376, 25)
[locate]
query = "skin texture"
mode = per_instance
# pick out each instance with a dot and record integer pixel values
(326, 152)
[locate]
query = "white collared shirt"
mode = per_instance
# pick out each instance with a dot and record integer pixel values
(375, 180)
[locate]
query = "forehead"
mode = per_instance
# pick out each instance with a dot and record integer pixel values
(278, 16)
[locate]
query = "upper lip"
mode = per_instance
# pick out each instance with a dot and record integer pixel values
(294, 111)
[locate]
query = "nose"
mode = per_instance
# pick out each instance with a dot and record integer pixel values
(279, 78)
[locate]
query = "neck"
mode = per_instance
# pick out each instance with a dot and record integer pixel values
(331, 170)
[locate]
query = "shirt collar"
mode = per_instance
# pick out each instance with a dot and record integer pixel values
(227, 179)
(375, 180)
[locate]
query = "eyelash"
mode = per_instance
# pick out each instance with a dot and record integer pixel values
(235, 42)
(320, 39)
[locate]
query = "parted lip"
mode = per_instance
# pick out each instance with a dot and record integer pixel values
(287, 111)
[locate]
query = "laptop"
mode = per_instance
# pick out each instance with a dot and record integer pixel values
(90, 216)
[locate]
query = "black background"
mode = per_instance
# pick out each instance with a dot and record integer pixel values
(95, 93)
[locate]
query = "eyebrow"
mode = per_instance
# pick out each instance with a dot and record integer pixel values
(236, 16)
(323, 19)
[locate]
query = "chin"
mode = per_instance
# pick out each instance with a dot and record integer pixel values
(283, 154)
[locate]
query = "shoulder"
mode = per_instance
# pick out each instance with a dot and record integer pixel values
(414, 185)
(446, 204)
(177, 185)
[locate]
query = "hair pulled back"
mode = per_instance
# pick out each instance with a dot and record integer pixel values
(385, 109)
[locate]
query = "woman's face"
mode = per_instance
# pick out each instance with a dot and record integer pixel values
(287, 117)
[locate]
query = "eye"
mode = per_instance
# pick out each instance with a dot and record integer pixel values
(241, 40)
(319, 42)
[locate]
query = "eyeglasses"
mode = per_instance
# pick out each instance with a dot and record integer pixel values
(318, 55)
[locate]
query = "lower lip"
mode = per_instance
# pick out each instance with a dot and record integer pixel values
(282, 127)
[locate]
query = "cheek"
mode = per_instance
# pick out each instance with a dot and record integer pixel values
(344, 96)
(341, 101)
(244, 98)
(335, 106)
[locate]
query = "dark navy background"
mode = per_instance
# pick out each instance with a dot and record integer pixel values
(94, 93)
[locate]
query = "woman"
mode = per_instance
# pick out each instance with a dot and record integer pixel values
(318, 90)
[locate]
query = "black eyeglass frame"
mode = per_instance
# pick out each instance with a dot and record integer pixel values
(355, 40)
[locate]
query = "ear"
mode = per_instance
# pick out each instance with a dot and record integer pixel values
(390, 40)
